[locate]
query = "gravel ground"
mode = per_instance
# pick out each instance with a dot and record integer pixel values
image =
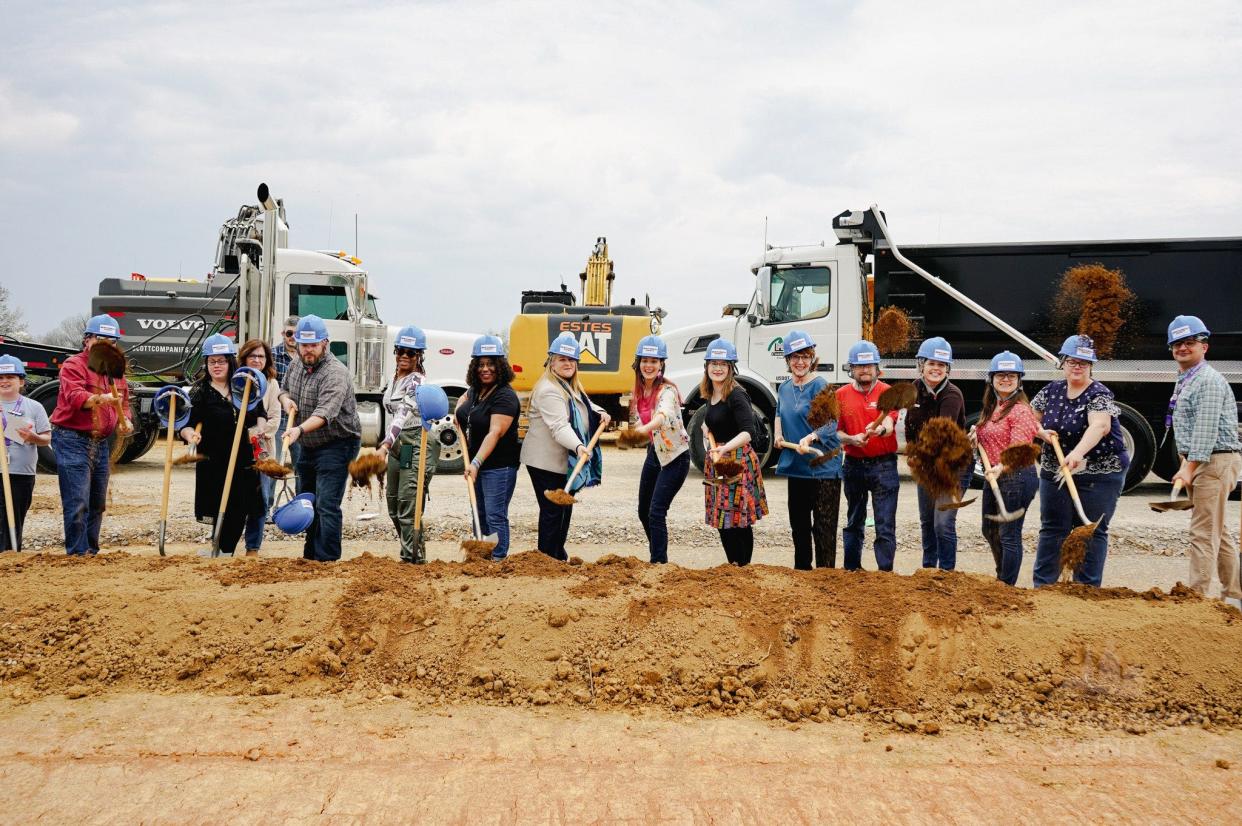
(1146, 548)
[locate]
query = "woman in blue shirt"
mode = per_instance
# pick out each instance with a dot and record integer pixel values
(1082, 414)
(814, 491)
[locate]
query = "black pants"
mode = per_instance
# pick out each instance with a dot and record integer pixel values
(739, 544)
(23, 491)
(813, 508)
(553, 519)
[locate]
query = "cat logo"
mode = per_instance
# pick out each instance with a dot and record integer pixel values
(600, 351)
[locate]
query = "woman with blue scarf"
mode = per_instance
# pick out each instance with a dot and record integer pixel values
(562, 419)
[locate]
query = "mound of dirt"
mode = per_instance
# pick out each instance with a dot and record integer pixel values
(917, 653)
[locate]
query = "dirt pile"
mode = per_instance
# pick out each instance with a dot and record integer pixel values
(915, 652)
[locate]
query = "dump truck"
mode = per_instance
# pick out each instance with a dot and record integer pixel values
(256, 281)
(984, 298)
(608, 334)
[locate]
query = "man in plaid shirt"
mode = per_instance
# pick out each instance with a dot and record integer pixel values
(319, 390)
(1204, 416)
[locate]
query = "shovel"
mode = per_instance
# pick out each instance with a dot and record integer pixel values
(1004, 515)
(418, 503)
(1174, 504)
(955, 503)
(724, 467)
(168, 463)
(191, 454)
(820, 456)
(8, 494)
(480, 544)
(897, 397)
(228, 474)
(562, 496)
(1074, 549)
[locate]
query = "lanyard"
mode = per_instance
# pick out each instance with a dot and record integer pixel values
(1177, 391)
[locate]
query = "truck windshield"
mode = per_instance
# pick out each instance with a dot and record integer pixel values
(372, 311)
(800, 293)
(324, 300)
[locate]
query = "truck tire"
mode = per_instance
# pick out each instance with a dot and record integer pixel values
(142, 442)
(763, 446)
(1140, 441)
(451, 457)
(45, 393)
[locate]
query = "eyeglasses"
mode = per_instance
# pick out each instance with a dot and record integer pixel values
(1077, 363)
(405, 351)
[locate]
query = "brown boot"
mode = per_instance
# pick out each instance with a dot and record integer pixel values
(251, 552)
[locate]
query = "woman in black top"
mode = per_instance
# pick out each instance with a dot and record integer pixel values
(733, 503)
(213, 408)
(488, 415)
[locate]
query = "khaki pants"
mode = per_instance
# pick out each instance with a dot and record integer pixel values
(1211, 544)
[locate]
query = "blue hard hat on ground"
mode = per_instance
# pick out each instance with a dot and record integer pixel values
(1079, 347)
(11, 366)
(409, 337)
(487, 346)
(1187, 326)
(258, 387)
(720, 350)
(797, 341)
(936, 349)
(219, 345)
(104, 326)
(432, 402)
(162, 402)
(295, 515)
(863, 352)
(310, 330)
(1007, 362)
(566, 344)
(651, 347)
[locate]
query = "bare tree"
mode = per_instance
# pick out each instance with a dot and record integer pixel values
(12, 321)
(68, 333)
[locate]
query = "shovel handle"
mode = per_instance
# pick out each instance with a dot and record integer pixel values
(228, 474)
(422, 469)
(168, 457)
(1069, 478)
(8, 494)
(599, 431)
(987, 474)
(465, 456)
(793, 446)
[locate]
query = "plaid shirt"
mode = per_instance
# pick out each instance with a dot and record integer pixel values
(1206, 417)
(281, 360)
(325, 390)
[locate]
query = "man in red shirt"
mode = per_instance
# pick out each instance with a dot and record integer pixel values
(870, 466)
(87, 414)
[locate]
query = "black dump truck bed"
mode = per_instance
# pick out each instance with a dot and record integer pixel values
(1018, 282)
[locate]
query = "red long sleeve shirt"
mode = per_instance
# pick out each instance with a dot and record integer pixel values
(77, 384)
(859, 410)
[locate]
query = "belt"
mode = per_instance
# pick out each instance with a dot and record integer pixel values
(870, 459)
(1215, 452)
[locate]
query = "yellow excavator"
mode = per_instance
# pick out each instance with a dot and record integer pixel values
(608, 334)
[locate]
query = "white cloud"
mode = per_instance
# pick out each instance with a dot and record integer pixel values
(28, 124)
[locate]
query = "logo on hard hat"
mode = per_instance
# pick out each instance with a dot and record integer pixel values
(651, 350)
(308, 336)
(220, 348)
(8, 368)
(864, 357)
(1007, 365)
(1086, 352)
(406, 341)
(940, 355)
(566, 349)
(1179, 332)
(488, 348)
(108, 329)
(719, 353)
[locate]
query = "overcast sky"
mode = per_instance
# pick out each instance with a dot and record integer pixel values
(484, 146)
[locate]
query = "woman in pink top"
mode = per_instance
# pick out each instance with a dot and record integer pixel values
(1007, 419)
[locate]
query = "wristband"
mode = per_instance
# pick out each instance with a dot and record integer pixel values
(475, 462)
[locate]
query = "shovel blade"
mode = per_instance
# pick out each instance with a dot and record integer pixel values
(163, 529)
(1005, 516)
(1173, 505)
(952, 506)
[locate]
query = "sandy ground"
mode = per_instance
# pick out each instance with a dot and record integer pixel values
(186, 690)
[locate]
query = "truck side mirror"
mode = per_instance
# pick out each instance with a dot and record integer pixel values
(764, 293)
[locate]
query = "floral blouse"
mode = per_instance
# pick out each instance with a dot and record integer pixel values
(1068, 417)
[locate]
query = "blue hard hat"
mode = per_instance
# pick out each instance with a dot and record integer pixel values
(432, 403)
(566, 344)
(257, 391)
(720, 350)
(1187, 326)
(409, 337)
(936, 349)
(162, 402)
(651, 347)
(310, 330)
(295, 515)
(1079, 347)
(219, 345)
(796, 341)
(104, 326)
(487, 346)
(1007, 362)
(863, 352)
(11, 366)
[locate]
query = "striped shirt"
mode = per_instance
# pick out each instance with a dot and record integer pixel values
(325, 390)
(1205, 420)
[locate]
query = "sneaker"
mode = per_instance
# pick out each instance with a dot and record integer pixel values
(252, 552)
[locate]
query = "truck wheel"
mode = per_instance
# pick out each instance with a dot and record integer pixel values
(1140, 443)
(451, 458)
(698, 454)
(138, 446)
(45, 394)
(762, 445)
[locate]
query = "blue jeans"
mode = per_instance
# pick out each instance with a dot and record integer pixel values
(1099, 493)
(256, 521)
(656, 488)
(877, 477)
(493, 489)
(1005, 538)
(324, 471)
(82, 470)
(940, 527)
